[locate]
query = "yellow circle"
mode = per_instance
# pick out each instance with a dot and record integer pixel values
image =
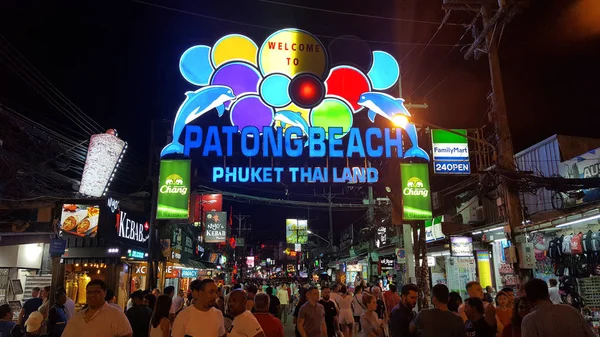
(293, 107)
(291, 52)
(234, 47)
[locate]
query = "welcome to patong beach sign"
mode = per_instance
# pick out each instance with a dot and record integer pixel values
(285, 100)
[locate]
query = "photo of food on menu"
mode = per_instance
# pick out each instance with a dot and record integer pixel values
(80, 220)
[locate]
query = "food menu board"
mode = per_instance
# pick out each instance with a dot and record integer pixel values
(80, 220)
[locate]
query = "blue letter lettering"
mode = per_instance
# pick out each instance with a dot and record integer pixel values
(250, 132)
(213, 142)
(313, 141)
(333, 141)
(373, 151)
(229, 131)
(189, 142)
(273, 141)
(393, 142)
(296, 150)
(217, 173)
(355, 143)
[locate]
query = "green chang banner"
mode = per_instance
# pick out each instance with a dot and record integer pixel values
(416, 198)
(174, 189)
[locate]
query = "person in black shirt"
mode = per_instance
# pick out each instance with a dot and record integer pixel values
(275, 305)
(403, 314)
(30, 305)
(477, 324)
(139, 315)
(330, 311)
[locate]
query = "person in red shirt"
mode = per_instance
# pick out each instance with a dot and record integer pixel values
(271, 326)
(391, 299)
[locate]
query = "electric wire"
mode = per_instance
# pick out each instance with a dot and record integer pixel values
(439, 28)
(357, 14)
(468, 29)
(49, 85)
(272, 28)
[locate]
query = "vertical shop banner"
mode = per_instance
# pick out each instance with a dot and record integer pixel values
(174, 189)
(483, 266)
(450, 151)
(416, 196)
(296, 231)
(216, 227)
(206, 203)
(433, 229)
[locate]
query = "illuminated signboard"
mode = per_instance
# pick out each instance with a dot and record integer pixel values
(284, 99)
(416, 194)
(450, 152)
(135, 254)
(461, 246)
(104, 155)
(216, 227)
(250, 261)
(174, 189)
(296, 231)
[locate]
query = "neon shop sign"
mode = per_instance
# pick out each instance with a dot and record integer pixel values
(284, 99)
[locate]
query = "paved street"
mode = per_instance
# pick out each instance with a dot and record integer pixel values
(289, 328)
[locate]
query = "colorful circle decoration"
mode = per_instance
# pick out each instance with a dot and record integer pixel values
(195, 65)
(306, 90)
(242, 77)
(332, 112)
(292, 52)
(288, 78)
(385, 70)
(349, 83)
(234, 47)
(273, 89)
(250, 110)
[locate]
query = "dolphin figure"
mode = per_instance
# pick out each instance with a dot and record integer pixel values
(196, 104)
(288, 117)
(388, 106)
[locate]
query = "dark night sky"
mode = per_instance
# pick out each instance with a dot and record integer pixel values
(118, 61)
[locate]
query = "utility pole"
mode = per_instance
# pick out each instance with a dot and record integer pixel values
(505, 160)
(329, 196)
(240, 218)
(506, 153)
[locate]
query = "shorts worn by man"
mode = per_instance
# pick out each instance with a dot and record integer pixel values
(99, 319)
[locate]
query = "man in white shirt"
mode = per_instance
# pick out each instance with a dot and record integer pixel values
(553, 291)
(284, 301)
(99, 319)
(244, 323)
(202, 319)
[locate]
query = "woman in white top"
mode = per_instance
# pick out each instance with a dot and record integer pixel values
(346, 318)
(160, 325)
(358, 308)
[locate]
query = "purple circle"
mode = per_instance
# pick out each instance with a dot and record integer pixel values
(242, 77)
(250, 110)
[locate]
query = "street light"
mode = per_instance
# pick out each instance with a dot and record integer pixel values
(320, 237)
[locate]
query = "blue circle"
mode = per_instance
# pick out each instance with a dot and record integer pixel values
(274, 90)
(195, 65)
(385, 70)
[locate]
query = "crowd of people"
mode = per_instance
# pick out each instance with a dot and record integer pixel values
(318, 311)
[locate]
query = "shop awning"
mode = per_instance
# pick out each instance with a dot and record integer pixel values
(105, 260)
(196, 264)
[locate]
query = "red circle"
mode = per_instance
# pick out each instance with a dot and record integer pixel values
(306, 91)
(348, 83)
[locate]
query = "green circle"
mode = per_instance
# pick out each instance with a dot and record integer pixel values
(332, 112)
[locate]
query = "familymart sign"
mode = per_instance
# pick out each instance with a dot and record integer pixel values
(450, 151)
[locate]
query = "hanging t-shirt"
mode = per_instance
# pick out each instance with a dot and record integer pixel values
(196, 323)
(244, 325)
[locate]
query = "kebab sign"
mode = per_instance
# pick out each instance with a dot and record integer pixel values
(283, 99)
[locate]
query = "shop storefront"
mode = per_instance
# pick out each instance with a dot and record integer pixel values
(106, 240)
(22, 269)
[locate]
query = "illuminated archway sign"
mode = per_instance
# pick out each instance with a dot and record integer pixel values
(284, 100)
